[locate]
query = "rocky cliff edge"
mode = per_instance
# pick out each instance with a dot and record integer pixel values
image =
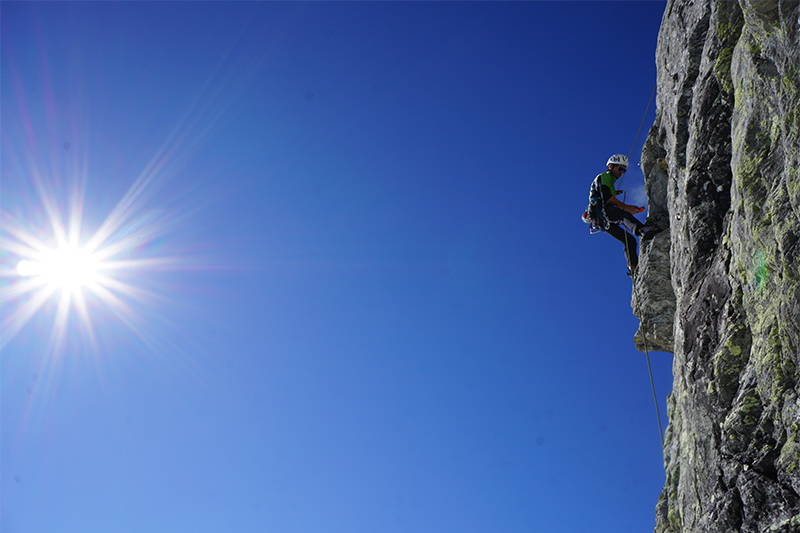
(721, 288)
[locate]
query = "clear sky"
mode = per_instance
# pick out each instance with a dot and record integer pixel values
(345, 289)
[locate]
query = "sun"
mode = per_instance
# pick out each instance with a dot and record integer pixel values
(55, 259)
(66, 269)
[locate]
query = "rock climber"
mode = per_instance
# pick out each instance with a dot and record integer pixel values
(606, 213)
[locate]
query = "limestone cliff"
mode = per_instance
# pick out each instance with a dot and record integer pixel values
(721, 288)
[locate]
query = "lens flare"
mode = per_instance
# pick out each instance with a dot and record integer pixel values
(67, 269)
(52, 263)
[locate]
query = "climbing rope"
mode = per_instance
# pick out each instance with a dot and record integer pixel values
(650, 370)
(644, 117)
(641, 125)
(634, 277)
(653, 390)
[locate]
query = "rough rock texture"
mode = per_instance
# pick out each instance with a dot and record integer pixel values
(721, 288)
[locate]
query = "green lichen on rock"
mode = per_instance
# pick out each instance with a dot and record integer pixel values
(790, 82)
(788, 524)
(730, 359)
(748, 173)
(749, 409)
(728, 26)
(722, 69)
(760, 271)
(780, 369)
(674, 518)
(789, 457)
(775, 130)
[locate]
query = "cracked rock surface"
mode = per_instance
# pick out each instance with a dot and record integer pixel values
(721, 288)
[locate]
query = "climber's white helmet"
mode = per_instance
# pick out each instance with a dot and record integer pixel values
(618, 159)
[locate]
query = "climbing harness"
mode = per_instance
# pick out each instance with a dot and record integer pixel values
(595, 213)
(595, 216)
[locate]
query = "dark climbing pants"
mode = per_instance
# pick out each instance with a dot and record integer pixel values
(617, 216)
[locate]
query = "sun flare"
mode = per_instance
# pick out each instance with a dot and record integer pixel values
(68, 268)
(44, 260)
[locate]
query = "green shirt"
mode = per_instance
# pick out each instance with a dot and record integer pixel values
(605, 183)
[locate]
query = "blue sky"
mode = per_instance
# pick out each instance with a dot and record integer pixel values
(373, 308)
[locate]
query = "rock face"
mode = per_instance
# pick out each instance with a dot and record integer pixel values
(721, 288)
